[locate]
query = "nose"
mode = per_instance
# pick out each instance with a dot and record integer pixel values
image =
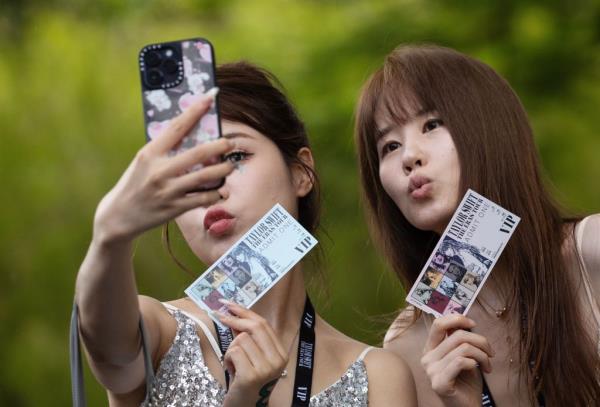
(224, 190)
(412, 158)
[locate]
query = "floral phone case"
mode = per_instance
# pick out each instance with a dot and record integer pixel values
(173, 75)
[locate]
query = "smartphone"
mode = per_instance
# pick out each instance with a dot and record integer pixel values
(173, 75)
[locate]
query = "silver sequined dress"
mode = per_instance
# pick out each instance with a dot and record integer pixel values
(183, 379)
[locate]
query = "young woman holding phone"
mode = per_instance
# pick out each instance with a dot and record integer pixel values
(265, 139)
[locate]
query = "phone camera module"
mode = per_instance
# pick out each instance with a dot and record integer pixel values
(155, 77)
(152, 59)
(170, 66)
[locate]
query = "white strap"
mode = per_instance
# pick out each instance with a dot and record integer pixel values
(364, 353)
(586, 278)
(202, 325)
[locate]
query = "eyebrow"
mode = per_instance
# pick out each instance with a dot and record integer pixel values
(233, 135)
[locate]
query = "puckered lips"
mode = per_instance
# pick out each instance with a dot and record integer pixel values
(218, 222)
(419, 187)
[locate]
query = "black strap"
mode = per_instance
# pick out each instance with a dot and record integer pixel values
(486, 395)
(488, 401)
(224, 337)
(77, 384)
(304, 361)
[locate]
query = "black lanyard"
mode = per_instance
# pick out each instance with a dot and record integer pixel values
(488, 401)
(304, 361)
(486, 395)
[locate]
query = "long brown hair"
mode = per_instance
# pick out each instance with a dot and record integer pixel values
(498, 158)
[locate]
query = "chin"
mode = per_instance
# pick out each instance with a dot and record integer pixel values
(428, 222)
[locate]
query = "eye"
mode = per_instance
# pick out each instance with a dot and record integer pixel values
(389, 147)
(237, 156)
(432, 124)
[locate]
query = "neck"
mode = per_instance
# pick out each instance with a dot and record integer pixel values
(283, 305)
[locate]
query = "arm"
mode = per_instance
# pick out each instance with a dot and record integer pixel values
(590, 250)
(152, 190)
(391, 382)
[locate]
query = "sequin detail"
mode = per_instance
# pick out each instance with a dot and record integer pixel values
(183, 379)
(352, 389)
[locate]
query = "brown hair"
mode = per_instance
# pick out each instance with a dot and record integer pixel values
(253, 96)
(498, 159)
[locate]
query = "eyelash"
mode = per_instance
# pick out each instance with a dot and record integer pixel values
(386, 147)
(439, 123)
(242, 155)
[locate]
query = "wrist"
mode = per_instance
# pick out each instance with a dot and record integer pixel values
(109, 239)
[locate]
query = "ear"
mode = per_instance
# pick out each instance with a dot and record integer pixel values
(301, 177)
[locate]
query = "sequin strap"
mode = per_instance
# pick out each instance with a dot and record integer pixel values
(77, 384)
(202, 325)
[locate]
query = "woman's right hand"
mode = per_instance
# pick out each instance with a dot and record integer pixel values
(155, 187)
(451, 359)
(255, 359)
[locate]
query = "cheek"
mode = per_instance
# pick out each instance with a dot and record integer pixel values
(391, 180)
(190, 221)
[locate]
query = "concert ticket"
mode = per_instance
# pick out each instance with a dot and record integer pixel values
(464, 256)
(254, 264)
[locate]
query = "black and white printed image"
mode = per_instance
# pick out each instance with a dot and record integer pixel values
(203, 289)
(447, 286)
(422, 293)
(230, 290)
(462, 296)
(215, 277)
(465, 255)
(240, 277)
(471, 281)
(455, 272)
(254, 263)
(252, 290)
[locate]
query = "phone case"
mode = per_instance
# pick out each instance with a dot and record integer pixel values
(173, 75)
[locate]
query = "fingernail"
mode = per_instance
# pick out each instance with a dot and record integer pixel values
(217, 314)
(212, 92)
(226, 302)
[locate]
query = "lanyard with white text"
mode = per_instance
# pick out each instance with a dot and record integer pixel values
(305, 358)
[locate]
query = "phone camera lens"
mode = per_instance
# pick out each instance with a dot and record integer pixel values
(155, 77)
(170, 66)
(152, 59)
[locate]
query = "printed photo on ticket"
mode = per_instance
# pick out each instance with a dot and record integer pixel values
(464, 256)
(254, 264)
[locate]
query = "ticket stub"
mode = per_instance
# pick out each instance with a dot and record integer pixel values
(254, 264)
(464, 256)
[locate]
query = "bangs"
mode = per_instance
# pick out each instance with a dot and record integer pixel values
(390, 99)
(398, 102)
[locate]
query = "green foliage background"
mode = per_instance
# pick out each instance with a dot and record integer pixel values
(70, 121)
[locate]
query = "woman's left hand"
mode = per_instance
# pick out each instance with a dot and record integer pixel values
(255, 358)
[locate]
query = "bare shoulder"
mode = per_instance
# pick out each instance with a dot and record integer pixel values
(590, 241)
(160, 326)
(590, 248)
(405, 337)
(390, 379)
(187, 305)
